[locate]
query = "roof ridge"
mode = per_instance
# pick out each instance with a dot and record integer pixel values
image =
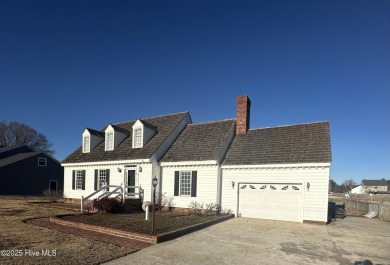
(290, 125)
(159, 116)
(206, 122)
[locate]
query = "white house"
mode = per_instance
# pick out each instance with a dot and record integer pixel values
(358, 190)
(192, 166)
(279, 173)
(374, 185)
(124, 154)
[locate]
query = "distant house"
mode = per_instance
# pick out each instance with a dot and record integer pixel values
(24, 171)
(358, 190)
(278, 173)
(374, 185)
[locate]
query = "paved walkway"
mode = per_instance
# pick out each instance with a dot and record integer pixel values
(116, 240)
(350, 241)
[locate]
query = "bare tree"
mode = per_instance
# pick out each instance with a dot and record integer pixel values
(349, 184)
(15, 133)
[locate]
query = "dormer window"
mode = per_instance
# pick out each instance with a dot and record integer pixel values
(138, 138)
(91, 139)
(86, 145)
(142, 133)
(114, 135)
(109, 141)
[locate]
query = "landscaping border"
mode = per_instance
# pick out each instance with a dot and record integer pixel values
(154, 239)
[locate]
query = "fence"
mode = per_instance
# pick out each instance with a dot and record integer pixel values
(363, 207)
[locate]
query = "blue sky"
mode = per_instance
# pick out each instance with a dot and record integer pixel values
(67, 65)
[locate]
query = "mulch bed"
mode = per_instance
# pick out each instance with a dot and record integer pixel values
(135, 222)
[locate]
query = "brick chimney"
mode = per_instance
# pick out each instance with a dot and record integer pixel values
(243, 114)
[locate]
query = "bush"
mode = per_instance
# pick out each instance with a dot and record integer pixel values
(52, 195)
(107, 205)
(226, 211)
(211, 209)
(196, 208)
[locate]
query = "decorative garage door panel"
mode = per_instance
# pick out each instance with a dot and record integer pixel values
(271, 201)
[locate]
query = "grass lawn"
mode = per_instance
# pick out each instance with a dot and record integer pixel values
(135, 222)
(15, 235)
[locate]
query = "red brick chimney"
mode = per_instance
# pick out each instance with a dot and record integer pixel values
(243, 114)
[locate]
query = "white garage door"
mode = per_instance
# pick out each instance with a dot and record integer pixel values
(273, 201)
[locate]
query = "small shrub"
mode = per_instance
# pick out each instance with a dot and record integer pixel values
(211, 209)
(226, 211)
(107, 205)
(196, 208)
(167, 201)
(52, 195)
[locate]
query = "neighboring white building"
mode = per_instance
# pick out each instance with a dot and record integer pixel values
(358, 190)
(278, 173)
(373, 185)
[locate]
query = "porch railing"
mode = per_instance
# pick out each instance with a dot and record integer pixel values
(118, 191)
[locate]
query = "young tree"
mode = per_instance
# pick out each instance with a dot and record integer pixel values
(16, 133)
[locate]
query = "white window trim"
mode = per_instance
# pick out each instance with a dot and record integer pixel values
(42, 159)
(108, 147)
(100, 176)
(141, 138)
(180, 182)
(86, 147)
(79, 177)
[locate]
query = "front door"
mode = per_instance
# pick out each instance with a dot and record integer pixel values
(130, 180)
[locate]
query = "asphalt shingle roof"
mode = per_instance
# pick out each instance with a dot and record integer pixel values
(124, 151)
(374, 182)
(200, 142)
(302, 143)
(14, 158)
(96, 133)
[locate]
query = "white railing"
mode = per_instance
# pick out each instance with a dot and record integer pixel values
(117, 191)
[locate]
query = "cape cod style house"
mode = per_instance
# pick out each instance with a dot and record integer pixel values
(121, 155)
(278, 173)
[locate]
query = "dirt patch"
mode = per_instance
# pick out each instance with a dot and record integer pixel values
(135, 222)
(27, 239)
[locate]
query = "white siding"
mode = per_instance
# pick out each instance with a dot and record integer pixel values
(143, 178)
(315, 200)
(206, 184)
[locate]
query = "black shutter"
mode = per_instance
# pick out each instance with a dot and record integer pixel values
(83, 187)
(194, 183)
(176, 189)
(96, 178)
(73, 179)
(108, 178)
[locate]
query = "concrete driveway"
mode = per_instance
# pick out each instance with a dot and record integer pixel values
(354, 240)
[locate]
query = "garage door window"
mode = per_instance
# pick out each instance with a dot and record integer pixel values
(185, 183)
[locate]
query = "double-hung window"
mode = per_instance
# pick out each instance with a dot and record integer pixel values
(102, 178)
(86, 144)
(185, 183)
(138, 138)
(110, 141)
(79, 179)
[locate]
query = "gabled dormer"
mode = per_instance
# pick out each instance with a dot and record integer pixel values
(142, 133)
(91, 139)
(114, 135)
